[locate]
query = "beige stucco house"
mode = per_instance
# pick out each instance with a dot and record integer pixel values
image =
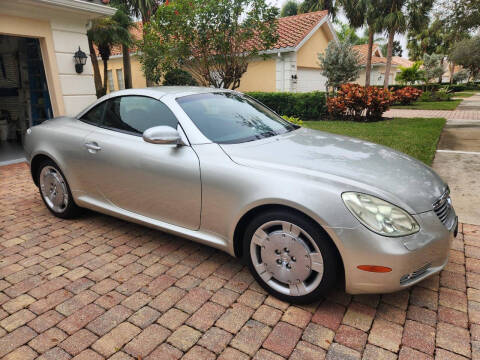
(291, 65)
(377, 74)
(38, 79)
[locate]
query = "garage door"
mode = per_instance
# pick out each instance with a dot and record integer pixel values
(310, 80)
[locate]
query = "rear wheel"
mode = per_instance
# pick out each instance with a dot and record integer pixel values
(290, 256)
(55, 191)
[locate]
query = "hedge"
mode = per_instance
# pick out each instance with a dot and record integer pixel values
(437, 86)
(306, 106)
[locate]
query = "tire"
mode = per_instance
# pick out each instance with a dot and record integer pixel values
(290, 256)
(55, 191)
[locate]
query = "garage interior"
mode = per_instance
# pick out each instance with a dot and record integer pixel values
(24, 96)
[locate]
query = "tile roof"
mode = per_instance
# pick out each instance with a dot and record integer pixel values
(291, 30)
(378, 58)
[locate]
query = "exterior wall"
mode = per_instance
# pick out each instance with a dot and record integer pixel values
(78, 90)
(60, 32)
(116, 63)
(260, 75)
(376, 76)
(307, 55)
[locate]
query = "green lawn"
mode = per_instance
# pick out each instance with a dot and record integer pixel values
(463, 94)
(417, 137)
(431, 105)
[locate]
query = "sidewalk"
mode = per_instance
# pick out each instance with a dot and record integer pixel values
(458, 156)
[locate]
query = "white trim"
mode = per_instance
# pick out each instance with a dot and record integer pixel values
(79, 5)
(459, 152)
(274, 51)
(313, 31)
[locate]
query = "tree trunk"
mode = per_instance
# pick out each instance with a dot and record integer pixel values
(105, 75)
(368, 66)
(96, 70)
(440, 78)
(127, 68)
(391, 35)
(451, 67)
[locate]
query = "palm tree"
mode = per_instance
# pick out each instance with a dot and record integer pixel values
(143, 9)
(126, 22)
(359, 13)
(402, 15)
(105, 33)
(316, 5)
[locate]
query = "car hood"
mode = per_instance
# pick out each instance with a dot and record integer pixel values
(358, 165)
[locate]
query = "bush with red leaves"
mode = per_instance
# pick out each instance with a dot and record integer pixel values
(358, 103)
(407, 95)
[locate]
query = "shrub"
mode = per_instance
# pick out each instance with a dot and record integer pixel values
(178, 77)
(407, 95)
(358, 103)
(306, 106)
(440, 95)
(293, 120)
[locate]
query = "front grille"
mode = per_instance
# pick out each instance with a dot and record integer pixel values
(414, 275)
(443, 206)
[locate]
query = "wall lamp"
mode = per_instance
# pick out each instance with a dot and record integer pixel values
(80, 59)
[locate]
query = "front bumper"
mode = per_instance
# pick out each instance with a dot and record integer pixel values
(412, 258)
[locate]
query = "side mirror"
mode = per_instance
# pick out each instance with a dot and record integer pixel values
(162, 135)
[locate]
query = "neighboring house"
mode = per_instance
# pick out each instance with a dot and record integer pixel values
(377, 74)
(292, 64)
(38, 80)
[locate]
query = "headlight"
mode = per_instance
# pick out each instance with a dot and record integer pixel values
(380, 216)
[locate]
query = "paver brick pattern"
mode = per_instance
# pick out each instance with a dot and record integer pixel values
(98, 287)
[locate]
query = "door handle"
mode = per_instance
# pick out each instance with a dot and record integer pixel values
(92, 147)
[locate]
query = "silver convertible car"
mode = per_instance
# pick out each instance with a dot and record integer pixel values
(305, 209)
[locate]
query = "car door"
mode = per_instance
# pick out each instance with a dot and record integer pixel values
(159, 181)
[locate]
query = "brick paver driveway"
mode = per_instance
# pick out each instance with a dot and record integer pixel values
(98, 287)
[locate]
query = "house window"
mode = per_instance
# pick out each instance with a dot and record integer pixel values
(120, 81)
(111, 85)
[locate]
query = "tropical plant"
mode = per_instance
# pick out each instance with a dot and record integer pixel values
(214, 40)
(289, 9)
(407, 95)
(396, 49)
(178, 77)
(410, 75)
(293, 120)
(432, 67)
(340, 64)
(467, 54)
(359, 103)
(349, 34)
(369, 13)
(106, 32)
(401, 16)
(316, 5)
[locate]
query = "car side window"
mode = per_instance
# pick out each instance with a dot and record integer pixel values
(135, 114)
(95, 116)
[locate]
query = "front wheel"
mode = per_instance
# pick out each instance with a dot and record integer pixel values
(290, 256)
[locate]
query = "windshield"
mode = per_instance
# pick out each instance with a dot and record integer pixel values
(229, 118)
